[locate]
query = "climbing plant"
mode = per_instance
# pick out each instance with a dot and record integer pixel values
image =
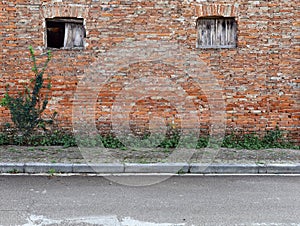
(27, 106)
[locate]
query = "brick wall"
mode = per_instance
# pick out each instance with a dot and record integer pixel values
(259, 79)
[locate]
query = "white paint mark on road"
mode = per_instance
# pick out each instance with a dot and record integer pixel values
(34, 220)
(131, 222)
(37, 191)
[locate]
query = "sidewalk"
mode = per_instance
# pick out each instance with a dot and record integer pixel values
(56, 159)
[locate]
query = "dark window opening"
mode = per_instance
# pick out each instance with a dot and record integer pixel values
(65, 33)
(216, 32)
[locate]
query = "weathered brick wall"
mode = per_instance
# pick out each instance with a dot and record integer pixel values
(259, 78)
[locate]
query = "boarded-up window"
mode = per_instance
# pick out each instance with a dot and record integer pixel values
(216, 32)
(65, 33)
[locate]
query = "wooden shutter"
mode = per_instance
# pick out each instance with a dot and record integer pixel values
(74, 34)
(216, 33)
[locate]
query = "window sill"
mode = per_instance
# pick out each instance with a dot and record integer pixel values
(217, 47)
(67, 49)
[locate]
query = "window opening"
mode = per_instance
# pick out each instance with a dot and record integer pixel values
(65, 33)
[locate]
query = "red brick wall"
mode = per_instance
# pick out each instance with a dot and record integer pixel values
(259, 79)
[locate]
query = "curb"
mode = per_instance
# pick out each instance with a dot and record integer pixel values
(174, 168)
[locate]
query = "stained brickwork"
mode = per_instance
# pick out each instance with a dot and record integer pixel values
(259, 78)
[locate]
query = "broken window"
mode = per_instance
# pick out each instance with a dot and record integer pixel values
(216, 32)
(65, 33)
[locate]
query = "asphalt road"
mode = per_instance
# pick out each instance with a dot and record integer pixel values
(180, 200)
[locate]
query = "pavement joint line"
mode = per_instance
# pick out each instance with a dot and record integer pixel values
(159, 168)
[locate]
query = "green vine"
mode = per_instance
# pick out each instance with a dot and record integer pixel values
(27, 107)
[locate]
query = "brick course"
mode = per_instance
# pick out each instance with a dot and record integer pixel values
(259, 78)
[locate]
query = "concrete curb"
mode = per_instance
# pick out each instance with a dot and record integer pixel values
(157, 168)
(176, 168)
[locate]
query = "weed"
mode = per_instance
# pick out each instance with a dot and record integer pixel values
(13, 171)
(270, 151)
(202, 142)
(43, 149)
(166, 150)
(173, 139)
(52, 171)
(4, 139)
(31, 149)
(13, 150)
(27, 107)
(109, 141)
(181, 171)
(272, 139)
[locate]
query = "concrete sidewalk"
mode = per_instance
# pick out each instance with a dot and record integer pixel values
(57, 159)
(172, 168)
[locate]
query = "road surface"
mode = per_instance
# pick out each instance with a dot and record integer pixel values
(180, 200)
